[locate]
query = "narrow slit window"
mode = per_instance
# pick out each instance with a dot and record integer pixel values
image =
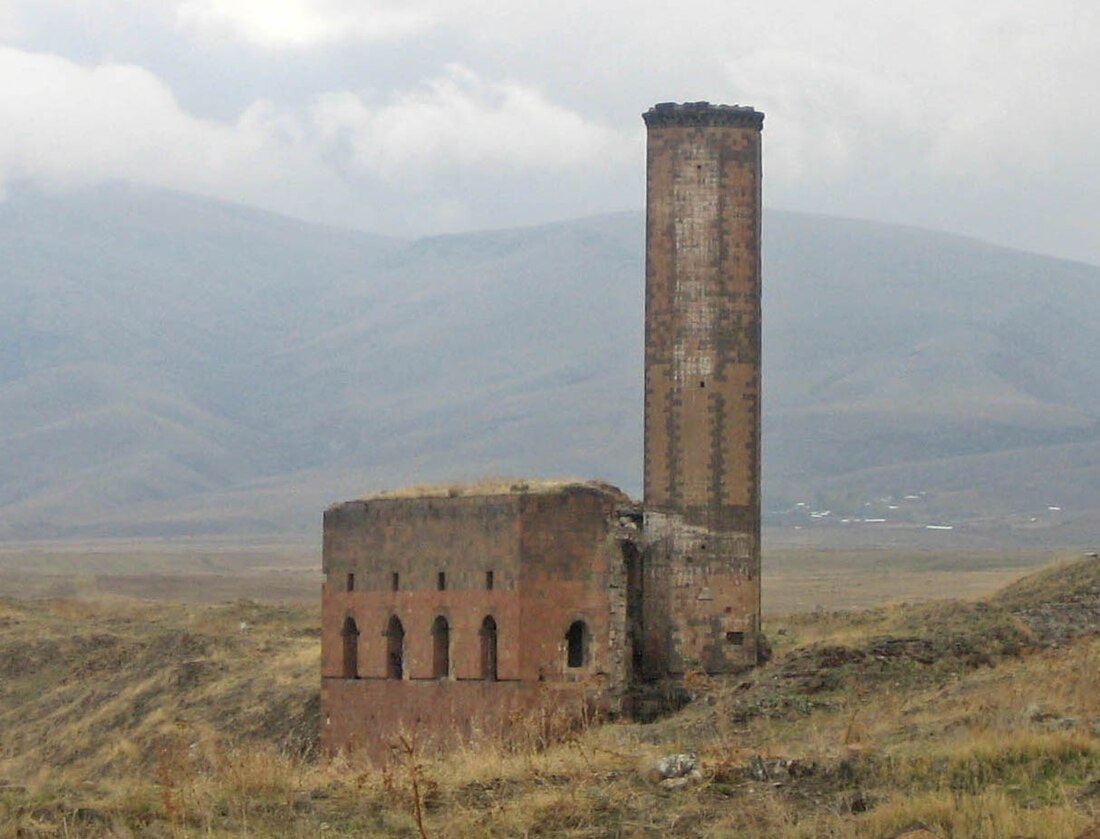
(488, 580)
(351, 582)
(395, 581)
(441, 581)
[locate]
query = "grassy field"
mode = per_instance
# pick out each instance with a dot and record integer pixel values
(200, 572)
(121, 717)
(798, 579)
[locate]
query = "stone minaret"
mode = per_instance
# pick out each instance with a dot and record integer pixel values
(702, 389)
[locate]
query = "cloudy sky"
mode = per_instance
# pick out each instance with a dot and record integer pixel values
(418, 116)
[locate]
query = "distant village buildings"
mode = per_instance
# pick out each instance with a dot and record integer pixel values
(452, 614)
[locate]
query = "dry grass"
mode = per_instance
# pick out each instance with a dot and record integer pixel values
(1067, 577)
(120, 718)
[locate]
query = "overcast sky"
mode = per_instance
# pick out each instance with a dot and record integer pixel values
(418, 116)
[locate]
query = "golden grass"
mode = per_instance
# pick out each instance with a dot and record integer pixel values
(168, 720)
(986, 815)
(1057, 580)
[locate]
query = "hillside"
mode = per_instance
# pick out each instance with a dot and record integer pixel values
(178, 366)
(118, 717)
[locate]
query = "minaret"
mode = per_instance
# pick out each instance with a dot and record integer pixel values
(702, 388)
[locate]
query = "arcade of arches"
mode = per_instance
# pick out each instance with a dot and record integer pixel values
(576, 647)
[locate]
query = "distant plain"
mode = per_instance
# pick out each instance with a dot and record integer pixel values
(797, 578)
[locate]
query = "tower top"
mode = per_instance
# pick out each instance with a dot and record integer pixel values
(703, 114)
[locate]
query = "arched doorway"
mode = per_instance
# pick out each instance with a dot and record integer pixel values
(350, 633)
(441, 648)
(489, 649)
(395, 649)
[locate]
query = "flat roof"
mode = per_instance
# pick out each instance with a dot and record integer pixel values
(489, 487)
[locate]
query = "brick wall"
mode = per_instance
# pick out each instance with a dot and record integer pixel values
(702, 389)
(702, 595)
(417, 538)
(555, 559)
(368, 716)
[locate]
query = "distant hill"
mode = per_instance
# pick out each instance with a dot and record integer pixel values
(176, 365)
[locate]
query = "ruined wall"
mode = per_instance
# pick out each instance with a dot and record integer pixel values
(417, 538)
(661, 590)
(702, 388)
(554, 559)
(571, 569)
(702, 599)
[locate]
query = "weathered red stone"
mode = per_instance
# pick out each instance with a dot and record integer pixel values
(556, 561)
(448, 616)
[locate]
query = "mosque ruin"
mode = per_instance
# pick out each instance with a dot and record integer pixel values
(453, 614)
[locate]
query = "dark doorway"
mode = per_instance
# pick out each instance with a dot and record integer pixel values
(635, 599)
(441, 648)
(395, 649)
(577, 641)
(489, 649)
(350, 633)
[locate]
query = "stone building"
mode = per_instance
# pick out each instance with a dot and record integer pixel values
(702, 387)
(455, 613)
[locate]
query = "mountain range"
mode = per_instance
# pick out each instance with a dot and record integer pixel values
(173, 365)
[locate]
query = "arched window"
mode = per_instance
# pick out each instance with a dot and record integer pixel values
(576, 640)
(350, 633)
(441, 648)
(395, 649)
(489, 649)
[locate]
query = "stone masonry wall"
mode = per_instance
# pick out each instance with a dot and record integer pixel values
(361, 716)
(417, 538)
(702, 389)
(554, 559)
(702, 599)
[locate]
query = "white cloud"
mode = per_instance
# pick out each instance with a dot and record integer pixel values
(460, 120)
(920, 114)
(9, 20)
(67, 124)
(299, 24)
(425, 159)
(905, 112)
